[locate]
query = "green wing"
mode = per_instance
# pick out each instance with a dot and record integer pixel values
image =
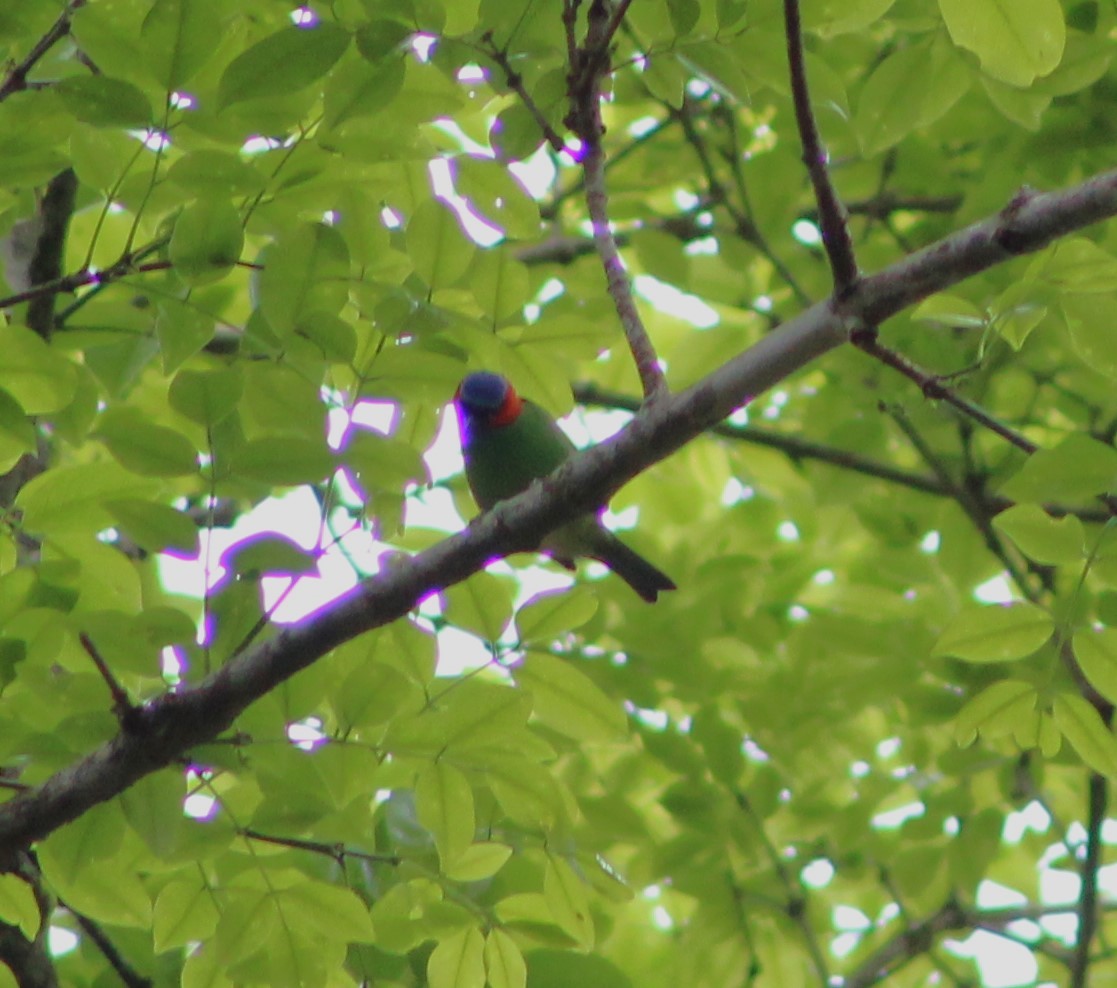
(504, 460)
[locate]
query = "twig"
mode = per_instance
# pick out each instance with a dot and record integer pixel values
(339, 852)
(70, 283)
(121, 703)
(127, 974)
(831, 213)
(742, 223)
(798, 449)
(516, 84)
(588, 68)
(932, 387)
(796, 905)
(973, 506)
(914, 939)
(16, 79)
(1091, 863)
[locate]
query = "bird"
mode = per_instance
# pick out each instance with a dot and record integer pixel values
(508, 442)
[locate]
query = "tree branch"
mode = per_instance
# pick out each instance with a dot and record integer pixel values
(168, 727)
(589, 68)
(1091, 863)
(16, 79)
(914, 939)
(831, 213)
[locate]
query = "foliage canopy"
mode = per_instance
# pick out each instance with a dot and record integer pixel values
(229, 228)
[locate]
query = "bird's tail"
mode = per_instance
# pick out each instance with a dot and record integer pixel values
(631, 567)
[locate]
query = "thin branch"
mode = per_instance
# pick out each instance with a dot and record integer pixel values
(932, 387)
(742, 223)
(796, 905)
(914, 939)
(70, 283)
(591, 65)
(831, 213)
(169, 726)
(515, 82)
(339, 852)
(16, 79)
(798, 449)
(1091, 863)
(973, 506)
(127, 974)
(121, 703)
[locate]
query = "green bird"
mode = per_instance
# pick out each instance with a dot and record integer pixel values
(509, 442)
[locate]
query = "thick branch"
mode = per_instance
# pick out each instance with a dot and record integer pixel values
(167, 728)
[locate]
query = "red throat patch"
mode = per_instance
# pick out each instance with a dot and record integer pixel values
(510, 410)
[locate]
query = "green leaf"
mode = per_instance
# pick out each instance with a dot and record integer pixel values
(1079, 265)
(185, 912)
(547, 615)
(206, 397)
(358, 89)
(568, 701)
(832, 17)
(458, 961)
(182, 331)
(18, 906)
(285, 461)
(207, 240)
(504, 963)
(1079, 467)
(996, 633)
(153, 808)
(270, 553)
(1096, 651)
(1083, 727)
(297, 55)
(330, 912)
(935, 82)
(210, 172)
(64, 497)
(381, 36)
(178, 38)
(1089, 319)
(499, 284)
(17, 434)
(143, 447)
(944, 309)
(105, 102)
(305, 274)
(439, 251)
(1052, 541)
(995, 711)
(1016, 40)
(568, 900)
(497, 196)
(75, 847)
(482, 604)
(37, 376)
(477, 862)
(444, 802)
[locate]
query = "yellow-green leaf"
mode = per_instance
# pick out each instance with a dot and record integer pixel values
(458, 961)
(996, 633)
(568, 701)
(444, 803)
(1083, 727)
